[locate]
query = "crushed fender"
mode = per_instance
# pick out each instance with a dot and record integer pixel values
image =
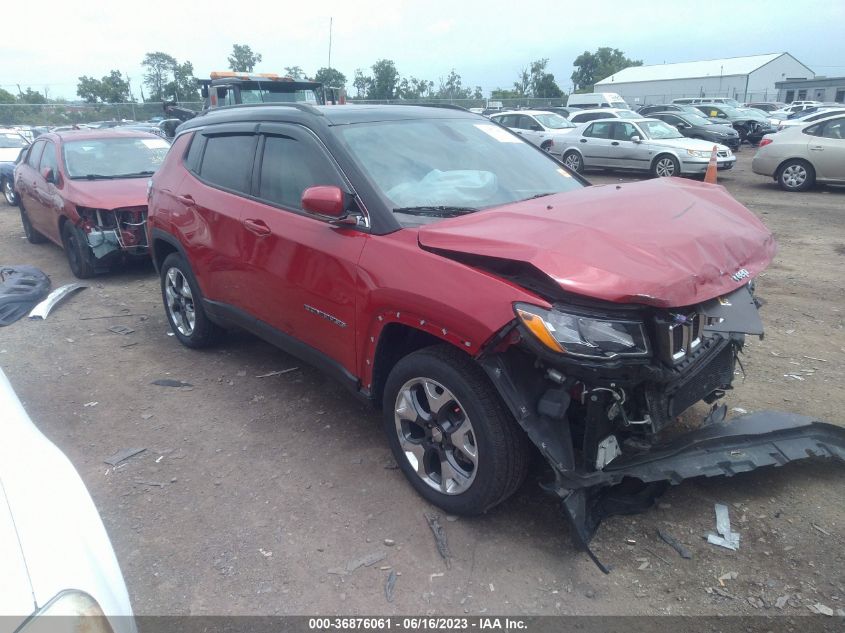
(21, 287)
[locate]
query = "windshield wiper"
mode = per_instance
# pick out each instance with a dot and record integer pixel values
(95, 177)
(436, 211)
(539, 195)
(135, 174)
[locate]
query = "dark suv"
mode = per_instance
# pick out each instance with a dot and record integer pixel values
(495, 306)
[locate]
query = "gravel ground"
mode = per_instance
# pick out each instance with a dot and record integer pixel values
(256, 495)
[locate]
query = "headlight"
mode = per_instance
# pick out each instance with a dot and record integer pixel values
(585, 336)
(697, 154)
(69, 612)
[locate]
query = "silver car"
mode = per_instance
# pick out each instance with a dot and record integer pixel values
(798, 157)
(544, 129)
(641, 144)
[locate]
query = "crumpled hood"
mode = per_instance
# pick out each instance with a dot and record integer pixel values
(107, 194)
(667, 242)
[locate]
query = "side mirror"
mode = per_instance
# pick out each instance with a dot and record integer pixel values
(636, 139)
(536, 128)
(49, 175)
(327, 201)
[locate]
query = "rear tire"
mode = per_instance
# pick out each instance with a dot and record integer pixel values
(9, 192)
(78, 252)
(182, 299)
(32, 236)
(796, 175)
(665, 166)
(451, 434)
(574, 161)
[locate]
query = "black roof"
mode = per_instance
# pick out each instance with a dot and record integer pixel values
(328, 115)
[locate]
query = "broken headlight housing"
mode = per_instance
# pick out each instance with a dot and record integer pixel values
(582, 335)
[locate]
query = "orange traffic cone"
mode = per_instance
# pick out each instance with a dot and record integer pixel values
(710, 174)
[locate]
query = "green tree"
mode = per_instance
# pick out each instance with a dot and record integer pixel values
(89, 89)
(295, 72)
(32, 96)
(362, 83)
(243, 59)
(115, 89)
(541, 83)
(184, 84)
(413, 88)
(593, 67)
(331, 78)
(385, 80)
(7, 97)
(158, 72)
(523, 83)
(477, 94)
(452, 87)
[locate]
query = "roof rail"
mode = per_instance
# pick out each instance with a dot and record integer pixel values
(447, 106)
(302, 107)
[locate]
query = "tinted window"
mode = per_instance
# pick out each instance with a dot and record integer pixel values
(227, 161)
(834, 129)
(35, 154)
(624, 131)
(192, 158)
(592, 116)
(509, 120)
(289, 167)
(599, 130)
(48, 158)
(527, 123)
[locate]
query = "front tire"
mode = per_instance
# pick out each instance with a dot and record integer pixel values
(665, 166)
(9, 192)
(78, 252)
(451, 434)
(183, 305)
(574, 161)
(796, 175)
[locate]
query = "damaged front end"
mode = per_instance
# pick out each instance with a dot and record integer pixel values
(115, 232)
(597, 386)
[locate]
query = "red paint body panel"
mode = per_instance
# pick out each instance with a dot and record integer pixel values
(666, 242)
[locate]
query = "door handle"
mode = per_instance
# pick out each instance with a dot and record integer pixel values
(187, 200)
(256, 226)
(615, 143)
(817, 148)
(583, 140)
(520, 133)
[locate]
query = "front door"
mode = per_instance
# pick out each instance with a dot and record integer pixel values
(299, 271)
(827, 151)
(46, 201)
(623, 152)
(531, 130)
(595, 144)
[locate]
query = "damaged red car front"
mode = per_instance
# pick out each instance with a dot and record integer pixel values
(86, 191)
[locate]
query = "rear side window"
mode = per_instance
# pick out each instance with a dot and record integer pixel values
(35, 155)
(599, 130)
(192, 157)
(289, 167)
(227, 161)
(834, 129)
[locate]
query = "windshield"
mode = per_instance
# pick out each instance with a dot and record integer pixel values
(12, 139)
(265, 95)
(432, 168)
(628, 114)
(619, 104)
(554, 121)
(659, 130)
(728, 110)
(695, 119)
(114, 157)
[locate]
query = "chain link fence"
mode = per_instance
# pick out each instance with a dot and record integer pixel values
(524, 102)
(50, 114)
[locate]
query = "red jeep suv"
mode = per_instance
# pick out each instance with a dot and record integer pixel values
(495, 306)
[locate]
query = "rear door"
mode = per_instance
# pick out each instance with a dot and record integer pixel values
(207, 207)
(595, 144)
(827, 150)
(299, 272)
(26, 172)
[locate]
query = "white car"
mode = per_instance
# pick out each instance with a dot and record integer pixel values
(544, 129)
(56, 556)
(812, 117)
(641, 144)
(584, 116)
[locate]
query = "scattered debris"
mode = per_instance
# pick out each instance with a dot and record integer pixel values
(265, 553)
(631, 541)
(439, 537)
(390, 586)
(674, 543)
(655, 554)
(277, 373)
(438, 574)
(391, 465)
(241, 373)
(821, 360)
(149, 483)
(389, 542)
(731, 575)
(780, 603)
(130, 344)
(723, 593)
(644, 565)
(755, 602)
(147, 416)
(123, 455)
(821, 609)
(728, 539)
(114, 316)
(90, 404)
(121, 329)
(21, 288)
(365, 561)
(739, 410)
(795, 376)
(169, 382)
(817, 527)
(53, 299)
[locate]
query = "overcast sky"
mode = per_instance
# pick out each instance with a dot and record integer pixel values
(52, 42)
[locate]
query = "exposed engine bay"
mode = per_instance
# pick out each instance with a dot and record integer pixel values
(117, 230)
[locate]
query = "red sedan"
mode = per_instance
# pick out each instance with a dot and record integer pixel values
(87, 192)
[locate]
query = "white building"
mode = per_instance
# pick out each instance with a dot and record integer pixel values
(745, 79)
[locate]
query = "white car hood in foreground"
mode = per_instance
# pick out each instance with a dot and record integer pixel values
(9, 154)
(51, 536)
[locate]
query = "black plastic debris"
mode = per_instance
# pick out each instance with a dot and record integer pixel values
(21, 288)
(439, 533)
(123, 455)
(169, 382)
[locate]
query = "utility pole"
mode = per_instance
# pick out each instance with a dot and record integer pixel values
(330, 42)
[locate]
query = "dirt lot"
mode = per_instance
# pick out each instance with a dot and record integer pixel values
(254, 492)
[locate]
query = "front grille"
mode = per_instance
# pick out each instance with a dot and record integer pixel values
(715, 374)
(678, 336)
(722, 153)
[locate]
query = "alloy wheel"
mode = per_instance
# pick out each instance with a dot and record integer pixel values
(665, 167)
(9, 192)
(436, 436)
(180, 302)
(573, 161)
